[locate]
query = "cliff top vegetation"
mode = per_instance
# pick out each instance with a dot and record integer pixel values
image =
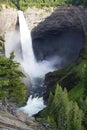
(24, 4)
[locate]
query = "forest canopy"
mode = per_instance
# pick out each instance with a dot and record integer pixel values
(11, 85)
(24, 4)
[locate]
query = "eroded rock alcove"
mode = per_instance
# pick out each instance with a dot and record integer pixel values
(65, 43)
(58, 32)
(61, 34)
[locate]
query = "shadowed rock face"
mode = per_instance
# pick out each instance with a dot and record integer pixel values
(61, 34)
(65, 43)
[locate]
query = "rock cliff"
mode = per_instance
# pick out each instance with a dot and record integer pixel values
(60, 34)
(63, 16)
(69, 77)
(11, 119)
(8, 17)
(55, 32)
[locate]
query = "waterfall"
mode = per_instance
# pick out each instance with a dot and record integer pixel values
(35, 70)
(26, 41)
(29, 63)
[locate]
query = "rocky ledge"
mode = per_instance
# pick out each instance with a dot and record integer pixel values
(60, 35)
(45, 19)
(8, 17)
(11, 119)
(62, 17)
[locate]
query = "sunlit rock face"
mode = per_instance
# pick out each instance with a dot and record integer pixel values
(8, 19)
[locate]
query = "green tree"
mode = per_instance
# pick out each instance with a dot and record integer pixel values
(65, 113)
(84, 79)
(83, 106)
(16, 3)
(77, 2)
(11, 85)
(1, 45)
(59, 108)
(85, 3)
(76, 116)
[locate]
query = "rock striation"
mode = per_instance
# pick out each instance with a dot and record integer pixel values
(8, 17)
(60, 34)
(55, 32)
(11, 119)
(62, 16)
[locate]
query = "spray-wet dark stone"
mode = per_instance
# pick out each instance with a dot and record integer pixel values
(65, 43)
(61, 34)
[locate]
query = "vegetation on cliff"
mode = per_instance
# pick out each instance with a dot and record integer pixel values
(71, 76)
(24, 4)
(11, 85)
(67, 110)
(63, 113)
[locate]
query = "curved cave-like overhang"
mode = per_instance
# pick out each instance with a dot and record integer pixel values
(65, 43)
(58, 36)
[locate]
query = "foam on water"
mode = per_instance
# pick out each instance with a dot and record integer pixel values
(34, 105)
(28, 62)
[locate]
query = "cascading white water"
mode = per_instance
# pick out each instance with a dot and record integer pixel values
(26, 41)
(34, 105)
(28, 62)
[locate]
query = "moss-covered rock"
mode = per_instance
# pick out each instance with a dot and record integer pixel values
(69, 77)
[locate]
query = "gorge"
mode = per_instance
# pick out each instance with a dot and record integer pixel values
(53, 49)
(55, 46)
(43, 65)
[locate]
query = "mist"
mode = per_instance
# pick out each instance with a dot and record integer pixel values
(41, 68)
(19, 41)
(13, 44)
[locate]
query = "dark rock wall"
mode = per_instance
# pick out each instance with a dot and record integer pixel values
(65, 43)
(61, 34)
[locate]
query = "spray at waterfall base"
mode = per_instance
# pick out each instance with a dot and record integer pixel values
(20, 42)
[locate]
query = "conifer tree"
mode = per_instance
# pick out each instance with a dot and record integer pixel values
(84, 78)
(1, 45)
(83, 106)
(76, 115)
(64, 112)
(11, 85)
